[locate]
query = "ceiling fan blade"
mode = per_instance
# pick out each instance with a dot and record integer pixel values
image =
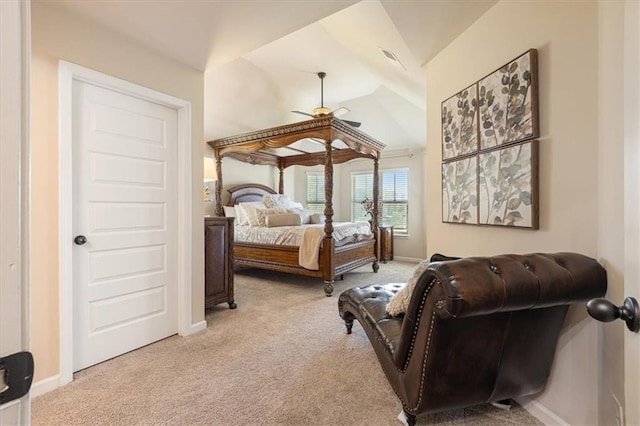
(303, 113)
(341, 111)
(353, 123)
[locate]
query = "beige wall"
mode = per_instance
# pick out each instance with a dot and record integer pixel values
(58, 35)
(566, 36)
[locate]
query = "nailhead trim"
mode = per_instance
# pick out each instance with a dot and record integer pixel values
(424, 363)
(415, 329)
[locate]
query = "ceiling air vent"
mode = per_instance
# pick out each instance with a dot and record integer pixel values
(391, 57)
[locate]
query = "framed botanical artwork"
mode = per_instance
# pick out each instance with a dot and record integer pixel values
(508, 186)
(460, 124)
(508, 102)
(459, 191)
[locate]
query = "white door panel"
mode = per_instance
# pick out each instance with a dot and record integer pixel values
(109, 217)
(125, 187)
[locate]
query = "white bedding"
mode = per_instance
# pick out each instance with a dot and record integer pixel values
(306, 237)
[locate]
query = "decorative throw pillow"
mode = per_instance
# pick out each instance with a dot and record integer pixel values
(399, 303)
(317, 218)
(257, 216)
(229, 211)
(242, 210)
(280, 202)
(283, 219)
(305, 215)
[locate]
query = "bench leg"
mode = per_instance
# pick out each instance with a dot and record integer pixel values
(328, 287)
(406, 418)
(411, 419)
(349, 324)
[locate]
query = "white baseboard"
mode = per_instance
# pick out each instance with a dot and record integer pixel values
(540, 412)
(45, 385)
(196, 328)
(407, 259)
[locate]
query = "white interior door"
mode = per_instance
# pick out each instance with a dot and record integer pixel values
(14, 314)
(125, 205)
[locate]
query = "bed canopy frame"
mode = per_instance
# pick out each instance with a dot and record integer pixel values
(270, 146)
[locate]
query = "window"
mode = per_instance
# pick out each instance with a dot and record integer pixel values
(315, 192)
(361, 188)
(394, 194)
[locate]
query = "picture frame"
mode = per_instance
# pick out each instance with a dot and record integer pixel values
(508, 103)
(508, 186)
(459, 115)
(460, 191)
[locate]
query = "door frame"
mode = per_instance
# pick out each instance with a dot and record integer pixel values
(67, 74)
(631, 203)
(15, 69)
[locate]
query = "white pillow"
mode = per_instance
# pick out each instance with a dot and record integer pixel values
(229, 211)
(296, 205)
(242, 217)
(317, 218)
(280, 202)
(257, 216)
(399, 303)
(283, 219)
(305, 215)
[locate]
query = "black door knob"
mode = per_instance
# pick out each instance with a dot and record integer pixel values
(80, 240)
(605, 311)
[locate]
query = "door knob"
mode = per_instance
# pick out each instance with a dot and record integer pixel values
(80, 240)
(605, 311)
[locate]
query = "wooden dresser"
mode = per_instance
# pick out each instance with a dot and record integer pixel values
(218, 261)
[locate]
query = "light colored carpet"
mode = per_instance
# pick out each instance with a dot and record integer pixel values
(281, 358)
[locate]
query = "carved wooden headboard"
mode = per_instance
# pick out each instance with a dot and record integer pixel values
(247, 192)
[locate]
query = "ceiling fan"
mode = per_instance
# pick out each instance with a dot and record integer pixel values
(323, 111)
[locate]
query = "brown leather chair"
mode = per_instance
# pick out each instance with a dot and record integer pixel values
(477, 330)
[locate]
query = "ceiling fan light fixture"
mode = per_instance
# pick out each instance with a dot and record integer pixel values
(321, 112)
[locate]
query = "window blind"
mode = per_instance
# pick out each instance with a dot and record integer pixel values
(315, 192)
(394, 194)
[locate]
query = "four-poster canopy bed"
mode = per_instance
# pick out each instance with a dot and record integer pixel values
(273, 147)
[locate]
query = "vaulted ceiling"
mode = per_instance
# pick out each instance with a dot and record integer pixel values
(290, 41)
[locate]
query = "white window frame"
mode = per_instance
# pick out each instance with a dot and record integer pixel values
(317, 205)
(356, 203)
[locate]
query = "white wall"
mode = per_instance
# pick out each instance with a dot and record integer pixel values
(566, 36)
(59, 35)
(239, 98)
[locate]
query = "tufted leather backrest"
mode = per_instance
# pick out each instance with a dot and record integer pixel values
(484, 285)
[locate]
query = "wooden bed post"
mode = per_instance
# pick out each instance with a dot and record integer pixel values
(328, 244)
(376, 213)
(281, 183)
(219, 211)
